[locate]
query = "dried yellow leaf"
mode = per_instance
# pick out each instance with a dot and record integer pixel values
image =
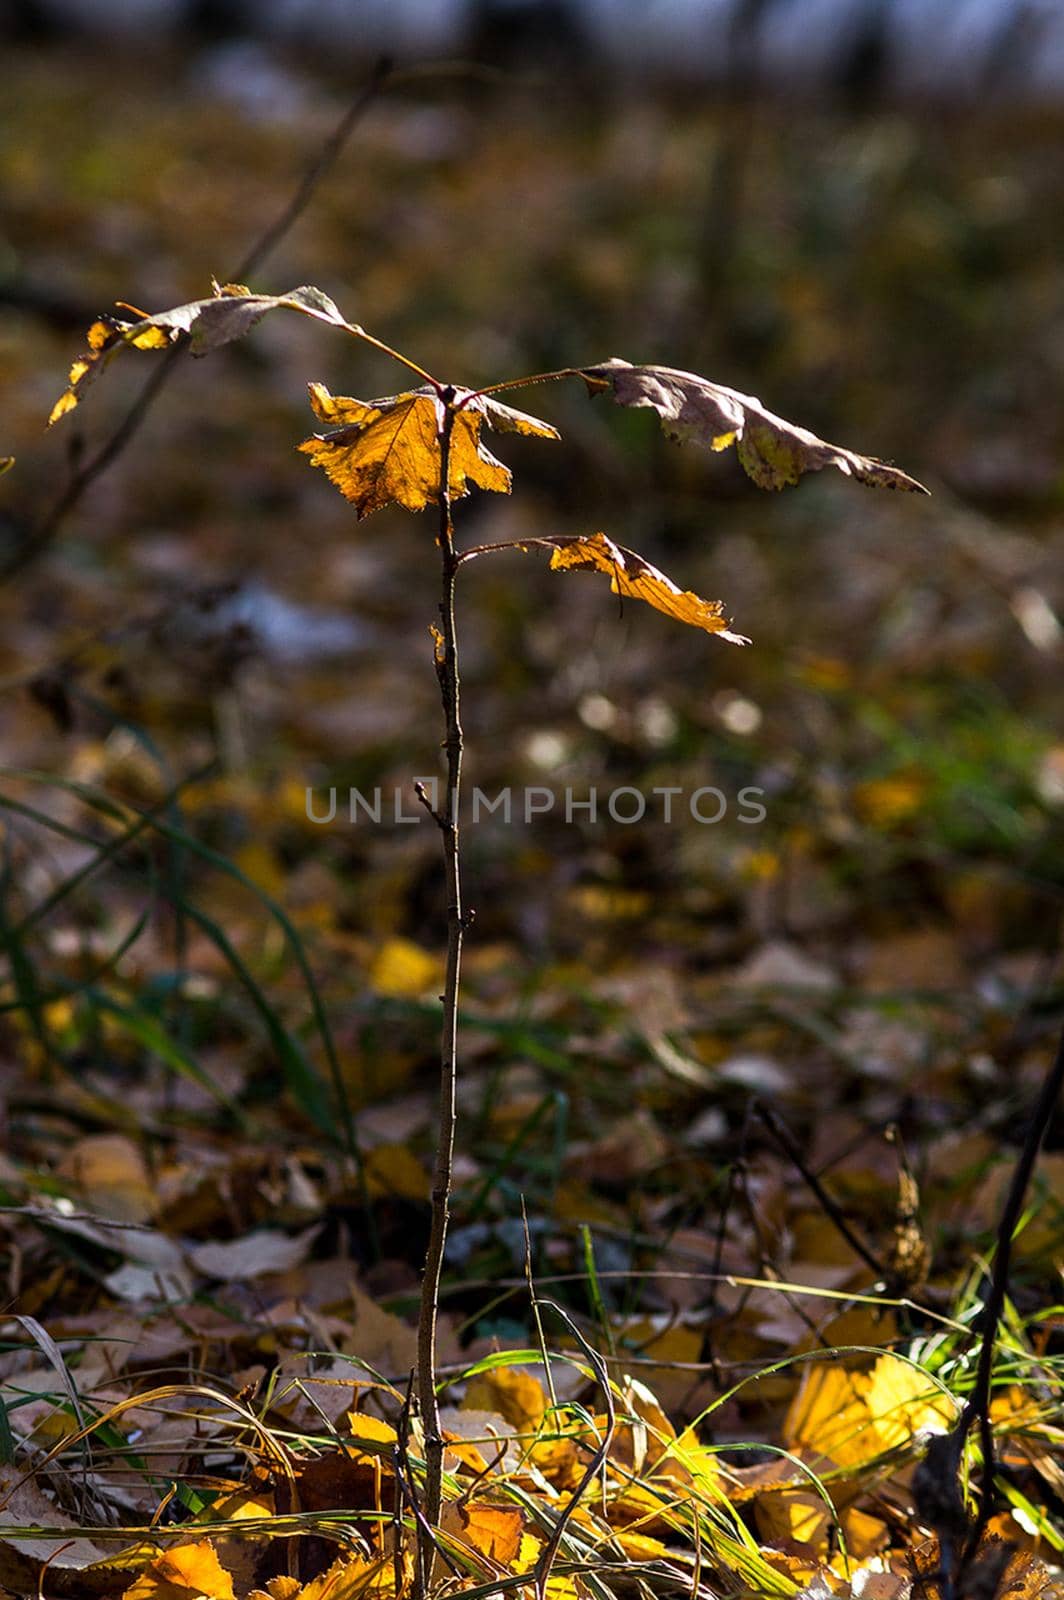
(389, 452)
(181, 1573)
(514, 1395)
(630, 575)
(228, 314)
(492, 1531)
(353, 1578)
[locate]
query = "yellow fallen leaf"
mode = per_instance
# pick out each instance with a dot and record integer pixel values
(794, 1516)
(829, 1418)
(640, 1547)
(371, 1436)
(559, 1586)
(280, 1588)
(404, 970)
(354, 1578)
(902, 1401)
(851, 1418)
(184, 1572)
(514, 1395)
(865, 1535)
(492, 1531)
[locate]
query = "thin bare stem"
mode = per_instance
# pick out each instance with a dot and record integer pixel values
(271, 237)
(457, 921)
(789, 1146)
(492, 549)
(977, 1410)
(523, 383)
(404, 361)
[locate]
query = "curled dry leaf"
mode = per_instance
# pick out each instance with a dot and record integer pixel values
(389, 450)
(231, 312)
(772, 451)
(630, 575)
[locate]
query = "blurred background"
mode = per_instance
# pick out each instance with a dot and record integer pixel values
(850, 208)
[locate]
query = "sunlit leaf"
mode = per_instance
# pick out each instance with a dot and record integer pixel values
(493, 1531)
(640, 1546)
(773, 452)
(632, 576)
(516, 1396)
(371, 1435)
(354, 1578)
(851, 1418)
(795, 1516)
(903, 1402)
(6, 463)
(828, 1418)
(388, 450)
(185, 1572)
(231, 312)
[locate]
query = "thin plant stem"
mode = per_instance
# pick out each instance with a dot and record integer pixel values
(977, 1410)
(783, 1138)
(524, 383)
(474, 550)
(326, 158)
(404, 361)
(446, 815)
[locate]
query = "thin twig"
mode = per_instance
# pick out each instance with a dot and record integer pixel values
(978, 1406)
(319, 167)
(523, 383)
(457, 921)
(784, 1139)
(81, 479)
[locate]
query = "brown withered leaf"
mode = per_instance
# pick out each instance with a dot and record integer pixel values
(772, 451)
(230, 312)
(630, 575)
(389, 450)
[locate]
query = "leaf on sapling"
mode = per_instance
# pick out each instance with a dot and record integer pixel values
(631, 576)
(773, 452)
(231, 312)
(6, 463)
(388, 450)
